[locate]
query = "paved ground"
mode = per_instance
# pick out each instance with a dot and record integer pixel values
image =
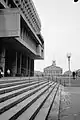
(70, 103)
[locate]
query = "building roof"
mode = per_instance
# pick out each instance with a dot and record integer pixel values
(67, 72)
(78, 70)
(52, 66)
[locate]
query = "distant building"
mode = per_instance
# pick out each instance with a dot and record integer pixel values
(78, 72)
(21, 41)
(66, 73)
(53, 70)
(38, 73)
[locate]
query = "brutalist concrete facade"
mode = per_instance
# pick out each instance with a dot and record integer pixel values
(21, 41)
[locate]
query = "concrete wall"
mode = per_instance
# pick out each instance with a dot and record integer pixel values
(12, 24)
(2, 58)
(9, 23)
(40, 51)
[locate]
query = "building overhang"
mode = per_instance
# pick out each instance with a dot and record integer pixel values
(38, 37)
(13, 31)
(18, 45)
(29, 27)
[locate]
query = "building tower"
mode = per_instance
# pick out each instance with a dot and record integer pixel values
(54, 63)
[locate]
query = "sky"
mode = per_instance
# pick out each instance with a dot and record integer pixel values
(60, 20)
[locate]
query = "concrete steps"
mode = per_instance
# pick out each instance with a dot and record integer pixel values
(12, 88)
(27, 101)
(44, 111)
(54, 110)
(12, 94)
(9, 83)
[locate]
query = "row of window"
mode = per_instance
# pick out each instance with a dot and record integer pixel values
(29, 11)
(30, 14)
(10, 3)
(53, 72)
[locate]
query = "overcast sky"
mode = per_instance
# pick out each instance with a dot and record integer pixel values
(60, 21)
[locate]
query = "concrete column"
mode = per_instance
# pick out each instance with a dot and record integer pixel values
(20, 62)
(32, 67)
(14, 64)
(22, 70)
(18, 65)
(2, 59)
(26, 66)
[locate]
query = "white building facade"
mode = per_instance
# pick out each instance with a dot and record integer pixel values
(53, 70)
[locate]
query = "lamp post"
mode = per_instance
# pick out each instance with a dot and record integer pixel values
(69, 56)
(75, 0)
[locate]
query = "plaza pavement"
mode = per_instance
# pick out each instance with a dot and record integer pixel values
(70, 103)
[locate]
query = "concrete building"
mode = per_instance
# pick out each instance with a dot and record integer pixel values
(21, 41)
(66, 73)
(78, 72)
(53, 70)
(38, 73)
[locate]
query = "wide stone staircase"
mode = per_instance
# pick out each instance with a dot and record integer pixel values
(29, 99)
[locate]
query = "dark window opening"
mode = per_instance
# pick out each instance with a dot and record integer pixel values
(11, 4)
(1, 6)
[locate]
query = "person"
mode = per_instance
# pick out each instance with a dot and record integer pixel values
(76, 75)
(1, 72)
(73, 74)
(8, 72)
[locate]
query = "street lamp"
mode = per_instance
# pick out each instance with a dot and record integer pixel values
(69, 56)
(75, 0)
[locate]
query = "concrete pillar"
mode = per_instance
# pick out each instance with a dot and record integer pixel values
(20, 62)
(14, 65)
(16, 62)
(32, 67)
(18, 65)
(23, 65)
(26, 66)
(2, 59)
